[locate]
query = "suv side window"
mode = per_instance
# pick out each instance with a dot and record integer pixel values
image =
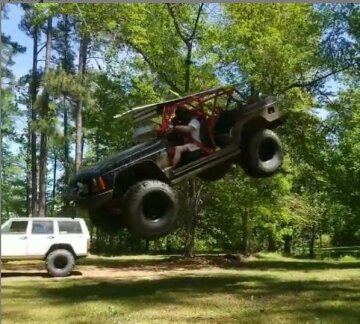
(15, 227)
(69, 227)
(42, 227)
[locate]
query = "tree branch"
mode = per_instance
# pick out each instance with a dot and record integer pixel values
(313, 82)
(153, 66)
(196, 21)
(42, 47)
(177, 27)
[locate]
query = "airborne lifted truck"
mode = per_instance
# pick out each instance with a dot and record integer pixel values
(134, 188)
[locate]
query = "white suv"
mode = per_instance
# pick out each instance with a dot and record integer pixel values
(58, 241)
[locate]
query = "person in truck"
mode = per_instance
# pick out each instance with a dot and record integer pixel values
(189, 127)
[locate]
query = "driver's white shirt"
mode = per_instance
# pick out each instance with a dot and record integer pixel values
(195, 134)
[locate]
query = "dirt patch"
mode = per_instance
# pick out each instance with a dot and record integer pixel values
(159, 266)
(123, 269)
(93, 272)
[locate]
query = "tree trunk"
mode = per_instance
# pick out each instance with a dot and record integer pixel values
(82, 146)
(312, 243)
(193, 196)
(43, 136)
(42, 174)
(193, 203)
(82, 70)
(245, 230)
(54, 184)
(147, 246)
(271, 243)
(187, 67)
(33, 91)
(189, 249)
(66, 149)
(28, 171)
(287, 244)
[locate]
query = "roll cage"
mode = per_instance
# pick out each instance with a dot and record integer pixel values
(206, 105)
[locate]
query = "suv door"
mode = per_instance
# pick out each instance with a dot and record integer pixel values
(14, 239)
(41, 237)
(70, 232)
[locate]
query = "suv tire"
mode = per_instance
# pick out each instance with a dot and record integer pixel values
(262, 156)
(151, 209)
(60, 263)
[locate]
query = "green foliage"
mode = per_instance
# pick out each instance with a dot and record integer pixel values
(61, 83)
(271, 45)
(105, 134)
(272, 49)
(13, 186)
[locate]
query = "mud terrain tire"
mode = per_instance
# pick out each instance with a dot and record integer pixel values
(262, 156)
(60, 263)
(151, 209)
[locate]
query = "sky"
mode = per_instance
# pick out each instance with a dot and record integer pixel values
(10, 26)
(23, 62)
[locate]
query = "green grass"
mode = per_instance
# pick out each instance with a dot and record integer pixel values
(266, 289)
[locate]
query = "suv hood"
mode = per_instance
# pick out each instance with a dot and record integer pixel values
(133, 154)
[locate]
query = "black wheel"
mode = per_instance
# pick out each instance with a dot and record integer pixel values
(108, 219)
(262, 156)
(151, 209)
(60, 263)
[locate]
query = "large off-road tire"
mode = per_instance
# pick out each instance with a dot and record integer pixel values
(60, 263)
(151, 209)
(262, 154)
(107, 219)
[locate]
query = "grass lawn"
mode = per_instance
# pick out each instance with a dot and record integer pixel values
(213, 289)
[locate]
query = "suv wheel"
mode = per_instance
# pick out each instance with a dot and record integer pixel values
(60, 263)
(151, 209)
(262, 155)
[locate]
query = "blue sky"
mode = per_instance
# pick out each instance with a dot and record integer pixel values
(10, 27)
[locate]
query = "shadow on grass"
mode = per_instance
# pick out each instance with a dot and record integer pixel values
(175, 262)
(17, 274)
(303, 298)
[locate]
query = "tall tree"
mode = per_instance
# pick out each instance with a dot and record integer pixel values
(44, 127)
(64, 89)
(188, 34)
(31, 25)
(84, 40)
(12, 184)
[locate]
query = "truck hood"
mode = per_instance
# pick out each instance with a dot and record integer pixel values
(135, 153)
(117, 161)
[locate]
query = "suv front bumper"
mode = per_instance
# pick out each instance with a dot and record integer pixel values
(92, 202)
